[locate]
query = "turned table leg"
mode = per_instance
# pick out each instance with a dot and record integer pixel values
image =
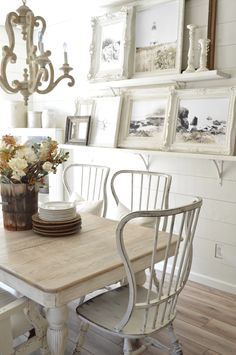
(57, 329)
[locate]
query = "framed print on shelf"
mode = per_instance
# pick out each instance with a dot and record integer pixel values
(144, 119)
(204, 121)
(105, 121)
(77, 130)
(110, 47)
(158, 37)
(84, 106)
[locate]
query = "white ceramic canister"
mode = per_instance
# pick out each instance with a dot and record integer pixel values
(34, 119)
(14, 113)
(48, 119)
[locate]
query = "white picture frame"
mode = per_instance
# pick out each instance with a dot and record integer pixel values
(84, 106)
(144, 118)
(203, 121)
(158, 33)
(110, 47)
(105, 121)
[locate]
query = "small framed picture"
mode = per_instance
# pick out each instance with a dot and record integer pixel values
(110, 47)
(158, 35)
(84, 106)
(77, 130)
(144, 119)
(203, 121)
(105, 121)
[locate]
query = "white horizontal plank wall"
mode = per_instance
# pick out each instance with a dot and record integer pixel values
(217, 224)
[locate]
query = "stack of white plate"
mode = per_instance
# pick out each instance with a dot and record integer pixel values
(57, 211)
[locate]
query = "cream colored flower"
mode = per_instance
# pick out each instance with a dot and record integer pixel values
(26, 153)
(3, 145)
(17, 165)
(47, 166)
(44, 151)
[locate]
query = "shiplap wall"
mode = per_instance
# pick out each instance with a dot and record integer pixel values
(217, 224)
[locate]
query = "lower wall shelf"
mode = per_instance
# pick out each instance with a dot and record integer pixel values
(217, 160)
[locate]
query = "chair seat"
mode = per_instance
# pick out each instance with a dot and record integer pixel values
(19, 323)
(106, 311)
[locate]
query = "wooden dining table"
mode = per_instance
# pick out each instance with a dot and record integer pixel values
(53, 271)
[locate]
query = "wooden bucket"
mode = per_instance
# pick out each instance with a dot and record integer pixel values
(19, 203)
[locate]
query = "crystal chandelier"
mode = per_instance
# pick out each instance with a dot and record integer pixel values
(39, 68)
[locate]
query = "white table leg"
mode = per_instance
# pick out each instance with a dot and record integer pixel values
(57, 329)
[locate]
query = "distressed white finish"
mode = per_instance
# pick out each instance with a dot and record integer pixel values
(204, 48)
(132, 96)
(57, 330)
(18, 316)
(223, 92)
(91, 182)
(136, 311)
(192, 30)
(121, 70)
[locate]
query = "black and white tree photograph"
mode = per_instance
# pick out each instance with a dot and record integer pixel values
(147, 118)
(202, 120)
(156, 38)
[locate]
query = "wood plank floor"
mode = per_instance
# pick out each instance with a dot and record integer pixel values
(205, 324)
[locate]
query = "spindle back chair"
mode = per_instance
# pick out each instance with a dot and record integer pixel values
(147, 190)
(87, 180)
(137, 311)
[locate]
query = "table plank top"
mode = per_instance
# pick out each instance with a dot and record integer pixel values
(52, 264)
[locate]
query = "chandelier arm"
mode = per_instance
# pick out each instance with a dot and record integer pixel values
(51, 87)
(8, 55)
(48, 76)
(41, 75)
(43, 22)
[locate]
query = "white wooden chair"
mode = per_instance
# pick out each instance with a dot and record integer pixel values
(147, 190)
(22, 328)
(89, 182)
(136, 311)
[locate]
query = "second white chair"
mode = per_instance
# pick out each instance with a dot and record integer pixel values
(144, 190)
(88, 184)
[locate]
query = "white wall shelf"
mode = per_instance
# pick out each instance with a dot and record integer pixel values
(217, 160)
(162, 79)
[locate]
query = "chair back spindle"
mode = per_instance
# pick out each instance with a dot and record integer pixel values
(89, 181)
(148, 190)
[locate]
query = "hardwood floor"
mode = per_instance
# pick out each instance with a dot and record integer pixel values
(205, 324)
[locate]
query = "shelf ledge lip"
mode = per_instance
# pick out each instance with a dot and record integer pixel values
(170, 154)
(164, 79)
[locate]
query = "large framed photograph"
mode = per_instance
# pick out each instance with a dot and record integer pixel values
(105, 121)
(144, 119)
(77, 130)
(110, 47)
(158, 37)
(204, 121)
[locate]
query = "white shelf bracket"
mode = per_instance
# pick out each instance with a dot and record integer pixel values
(146, 160)
(219, 169)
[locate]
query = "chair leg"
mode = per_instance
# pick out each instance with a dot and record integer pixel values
(127, 349)
(80, 342)
(175, 346)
